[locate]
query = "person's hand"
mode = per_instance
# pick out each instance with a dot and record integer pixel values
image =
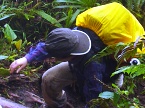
(18, 65)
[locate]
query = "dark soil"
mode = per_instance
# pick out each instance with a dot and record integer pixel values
(19, 87)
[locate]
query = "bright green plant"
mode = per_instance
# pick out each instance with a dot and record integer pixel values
(8, 52)
(72, 8)
(121, 98)
(28, 19)
(49, 18)
(78, 4)
(10, 35)
(19, 22)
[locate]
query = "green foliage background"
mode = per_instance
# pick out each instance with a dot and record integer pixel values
(24, 22)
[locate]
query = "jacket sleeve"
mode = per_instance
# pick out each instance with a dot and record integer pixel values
(37, 53)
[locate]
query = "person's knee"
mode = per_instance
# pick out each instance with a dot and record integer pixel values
(47, 77)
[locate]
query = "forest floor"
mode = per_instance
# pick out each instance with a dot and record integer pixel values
(26, 90)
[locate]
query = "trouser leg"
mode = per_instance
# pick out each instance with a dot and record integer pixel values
(53, 81)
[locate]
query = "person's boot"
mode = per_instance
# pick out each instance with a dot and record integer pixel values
(44, 105)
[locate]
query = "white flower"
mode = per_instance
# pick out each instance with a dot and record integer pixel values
(134, 61)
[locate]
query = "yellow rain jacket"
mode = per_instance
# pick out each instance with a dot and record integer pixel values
(112, 22)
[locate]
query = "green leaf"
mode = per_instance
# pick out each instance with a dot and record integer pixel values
(4, 72)
(136, 70)
(133, 71)
(12, 57)
(6, 16)
(3, 57)
(27, 16)
(74, 16)
(18, 44)
(107, 95)
(108, 50)
(65, 1)
(85, 4)
(9, 33)
(116, 98)
(68, 6)
(120, 70)
(48, 18)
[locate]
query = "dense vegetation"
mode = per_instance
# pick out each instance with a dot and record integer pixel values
(25, 22)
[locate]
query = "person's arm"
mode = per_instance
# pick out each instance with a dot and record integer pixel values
(38, 53)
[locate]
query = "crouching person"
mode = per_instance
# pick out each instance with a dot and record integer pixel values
(73, 48)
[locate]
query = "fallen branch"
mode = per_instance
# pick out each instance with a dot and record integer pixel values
(30, 97)
(7, 103)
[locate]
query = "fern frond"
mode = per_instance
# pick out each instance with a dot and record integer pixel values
(132, 71)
